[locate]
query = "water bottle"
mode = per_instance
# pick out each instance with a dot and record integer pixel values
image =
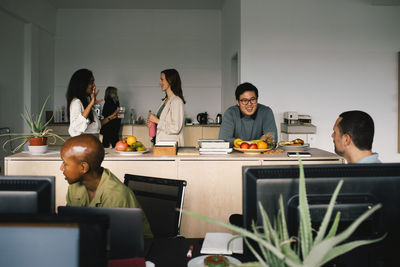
(132, 116)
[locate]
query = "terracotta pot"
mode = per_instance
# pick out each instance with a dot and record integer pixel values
(37, 141)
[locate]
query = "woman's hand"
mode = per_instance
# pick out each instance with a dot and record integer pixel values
(110, 118)
(152, 118)
(93, 100)
(114, 114)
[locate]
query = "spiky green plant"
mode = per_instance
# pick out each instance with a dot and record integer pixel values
(277, 247)
(37, 128)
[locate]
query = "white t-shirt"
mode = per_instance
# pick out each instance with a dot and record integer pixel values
(78, 123)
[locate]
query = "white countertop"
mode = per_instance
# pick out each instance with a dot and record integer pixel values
(112, 155)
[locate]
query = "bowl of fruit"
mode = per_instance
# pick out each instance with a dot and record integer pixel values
(130, 146)
(250, 147)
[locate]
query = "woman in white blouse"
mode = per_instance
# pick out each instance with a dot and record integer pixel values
(81, 96)
(170, 117)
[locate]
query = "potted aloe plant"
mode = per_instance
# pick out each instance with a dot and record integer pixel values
(39, 132)
(310, 250)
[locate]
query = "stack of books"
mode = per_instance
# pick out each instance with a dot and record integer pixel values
(213, 147)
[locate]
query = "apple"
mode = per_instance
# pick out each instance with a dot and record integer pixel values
(253, 146)
(121, 146)
(244, 146)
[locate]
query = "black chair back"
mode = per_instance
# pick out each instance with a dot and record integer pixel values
(161, 200)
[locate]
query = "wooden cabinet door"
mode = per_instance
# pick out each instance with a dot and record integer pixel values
(210, 132)
(192, 134)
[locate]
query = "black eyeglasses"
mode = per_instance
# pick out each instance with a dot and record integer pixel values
(245, 101)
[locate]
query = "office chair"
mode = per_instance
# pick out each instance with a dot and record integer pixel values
(161, 200)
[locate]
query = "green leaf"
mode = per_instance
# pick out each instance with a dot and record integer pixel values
(305, 218)
(268, 230)
(265, 252)
(316, 255)
(328, 214)
(39, 118)
(248, 234)
(251, 264)
(28, 121)
(286, 243)
(285, 233)
(334, 226)
(339, 250)
(254, 252)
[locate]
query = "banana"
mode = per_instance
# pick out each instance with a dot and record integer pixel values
(249, 142)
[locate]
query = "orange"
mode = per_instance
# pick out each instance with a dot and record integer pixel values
(130, 140)
(235, 144)
(262, 145)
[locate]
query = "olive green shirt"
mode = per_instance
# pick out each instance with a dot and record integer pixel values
(110, 193)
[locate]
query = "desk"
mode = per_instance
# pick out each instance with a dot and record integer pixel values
(214, 182)
(169, 252)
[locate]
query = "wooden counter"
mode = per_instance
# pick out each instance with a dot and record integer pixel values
(214, 182)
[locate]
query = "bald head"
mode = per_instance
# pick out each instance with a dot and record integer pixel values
(85, 147)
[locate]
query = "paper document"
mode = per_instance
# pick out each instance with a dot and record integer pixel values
(166, 143)
(217, 243)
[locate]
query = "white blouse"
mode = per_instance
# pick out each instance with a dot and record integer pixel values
(79, 124)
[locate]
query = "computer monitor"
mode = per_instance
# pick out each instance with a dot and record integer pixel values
(27, 194)
(364, 185)
(50, 240)
(125, 233)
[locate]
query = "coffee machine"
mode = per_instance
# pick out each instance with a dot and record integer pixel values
(202, 118)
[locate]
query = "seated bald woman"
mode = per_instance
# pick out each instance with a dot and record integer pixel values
(91, 185)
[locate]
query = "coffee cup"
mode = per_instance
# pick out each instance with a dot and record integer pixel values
(121, 112)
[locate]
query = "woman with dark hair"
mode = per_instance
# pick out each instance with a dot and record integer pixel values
(170, 117)
(81, 96)
(110, 131)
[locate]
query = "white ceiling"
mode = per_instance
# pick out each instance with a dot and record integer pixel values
(139, 4)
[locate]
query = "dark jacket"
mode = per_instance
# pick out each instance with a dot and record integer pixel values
(110, 131)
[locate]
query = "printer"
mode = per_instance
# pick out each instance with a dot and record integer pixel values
(296, 125)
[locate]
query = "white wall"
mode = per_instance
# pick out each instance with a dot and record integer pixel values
(11, 69)
(129, 48)
(230, 48)
(27, 58)
(322, 58)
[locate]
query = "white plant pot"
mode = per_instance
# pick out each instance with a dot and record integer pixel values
(37, 150)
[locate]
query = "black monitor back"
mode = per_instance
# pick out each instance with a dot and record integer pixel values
(50, 240)
(126, 229)
(364, 185)
(27, 194)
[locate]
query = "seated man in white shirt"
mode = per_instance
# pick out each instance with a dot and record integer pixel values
(353, 134)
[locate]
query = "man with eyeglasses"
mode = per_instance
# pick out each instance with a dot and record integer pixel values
(247, 120)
